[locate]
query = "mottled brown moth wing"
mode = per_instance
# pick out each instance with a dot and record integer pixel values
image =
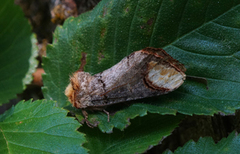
(145, 73)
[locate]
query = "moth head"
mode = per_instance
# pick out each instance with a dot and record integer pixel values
(71, 88)
(78, 89)
(69, 92)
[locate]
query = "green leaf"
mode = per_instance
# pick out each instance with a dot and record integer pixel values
(120, 119)
(203, 35)
(16, 60)
(32, 61)
(141, 135)
(206, 145)
(39, 127)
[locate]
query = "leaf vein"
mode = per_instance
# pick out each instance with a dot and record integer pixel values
(208, 99)
(30, 118)
(40, 132)
(154, 26)
(209, 55)
(131, 27)
(26, 146)
(5, 140)
(180, 22)
(224, 26)
(190, 32)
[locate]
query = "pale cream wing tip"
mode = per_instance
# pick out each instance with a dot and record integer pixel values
(169, 78)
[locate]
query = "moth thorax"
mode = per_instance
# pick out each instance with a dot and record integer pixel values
(163, 76)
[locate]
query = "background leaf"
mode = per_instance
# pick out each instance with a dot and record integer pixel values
(120, 119)
(141, 135)
(32, 61)
(206, 145)
(16, 60)
(39, 127)
(203, 35)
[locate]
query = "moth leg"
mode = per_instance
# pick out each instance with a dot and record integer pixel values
(101, 109)
(107, 114)
(85, 114)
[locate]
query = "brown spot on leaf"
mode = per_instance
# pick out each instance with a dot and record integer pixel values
(104, 11)
(103, 32)
(83, 61)
(100, 56)
(150, 21)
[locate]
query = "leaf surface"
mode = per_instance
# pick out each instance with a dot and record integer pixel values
(203, 35)
(206, 145)
(144, 133)
(17, 52)
(39, 127)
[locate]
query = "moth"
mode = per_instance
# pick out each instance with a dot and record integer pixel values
(145, 73)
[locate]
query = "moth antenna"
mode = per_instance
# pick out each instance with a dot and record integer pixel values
(198, 79)
(107, 114)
